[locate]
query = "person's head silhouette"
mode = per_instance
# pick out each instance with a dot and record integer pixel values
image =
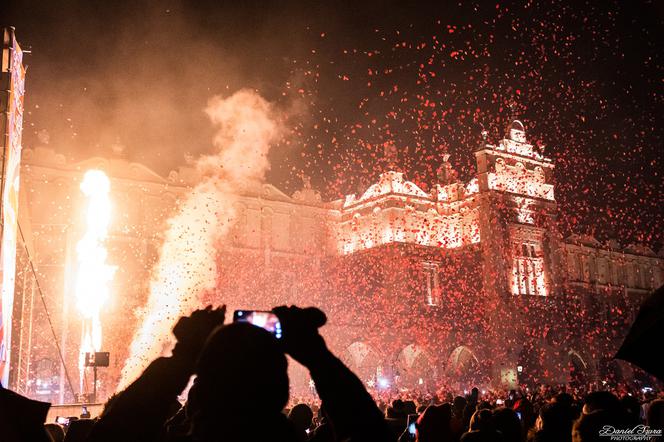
(241, 385)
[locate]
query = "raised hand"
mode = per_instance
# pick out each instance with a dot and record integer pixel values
(300, 327)
(192, 331)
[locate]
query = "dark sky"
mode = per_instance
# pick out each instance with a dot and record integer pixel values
(586, 77)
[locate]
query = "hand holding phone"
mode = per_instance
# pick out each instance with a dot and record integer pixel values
(192, 331)
(301, 339)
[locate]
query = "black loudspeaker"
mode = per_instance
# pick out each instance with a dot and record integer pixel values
(98, 359)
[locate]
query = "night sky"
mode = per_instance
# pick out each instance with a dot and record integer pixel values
(349, 77)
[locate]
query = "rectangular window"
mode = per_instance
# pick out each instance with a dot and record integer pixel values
(432, 282)
(571, 267)
(611, 272)
(592, 270)
(640, 276)
(622, 274)
(601, 271)
(527, 271)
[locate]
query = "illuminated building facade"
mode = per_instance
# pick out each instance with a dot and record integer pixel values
(467, 282)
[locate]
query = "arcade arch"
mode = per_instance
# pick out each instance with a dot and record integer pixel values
(363, 360)
(578, 368)
(414, 366)
(463, 366)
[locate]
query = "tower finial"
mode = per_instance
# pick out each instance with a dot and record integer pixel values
(391, 155)
(446, 174)
(513, 116)
(513, 107)
(484, 133)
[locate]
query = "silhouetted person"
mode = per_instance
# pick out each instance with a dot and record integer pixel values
(632, 409)
(508, 424)
(458, 423)
(397, 417)
(482, 428)
(613, 411)
(242, 384)
(527, 411)
(324, 431)
(351, 410)
(655, 414)
(78, 430)
(241, 387)
(55, 432)
(553, 424)
(458, 405)
(435, 424)
(22, 419)
(302, 417)
(471, 407)
(589, 426)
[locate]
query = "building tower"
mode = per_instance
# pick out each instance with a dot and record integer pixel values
(515, 180)
(516, 223)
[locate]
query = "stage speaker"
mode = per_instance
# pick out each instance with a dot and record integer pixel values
(97, 359)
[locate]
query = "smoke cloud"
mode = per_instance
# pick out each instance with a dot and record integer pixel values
(246, 127)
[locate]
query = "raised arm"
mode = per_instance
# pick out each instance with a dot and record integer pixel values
(139, 412)
(351, 410)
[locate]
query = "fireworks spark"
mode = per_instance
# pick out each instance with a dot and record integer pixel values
(187, 263)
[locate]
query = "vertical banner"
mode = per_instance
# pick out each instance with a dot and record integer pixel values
(11, 107)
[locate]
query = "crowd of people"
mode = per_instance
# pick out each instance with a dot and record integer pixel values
(241, 393)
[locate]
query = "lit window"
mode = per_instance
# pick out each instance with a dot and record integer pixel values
(432, 282)
(527, 271)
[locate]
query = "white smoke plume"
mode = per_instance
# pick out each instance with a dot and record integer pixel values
(187, 262)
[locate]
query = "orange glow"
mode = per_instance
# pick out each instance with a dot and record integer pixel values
(447, 218)
(94, 275)
(423, 228)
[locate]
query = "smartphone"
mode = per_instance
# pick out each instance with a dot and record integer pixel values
(62, 420)
(518, 413)
(260, 318)
(412, 430)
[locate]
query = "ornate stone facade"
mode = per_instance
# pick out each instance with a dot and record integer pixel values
(464, 283)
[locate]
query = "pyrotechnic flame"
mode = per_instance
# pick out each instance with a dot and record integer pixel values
(187, 262)
(94, 275)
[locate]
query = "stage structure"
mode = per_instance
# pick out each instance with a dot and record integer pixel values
(12, 82)
(461, 283)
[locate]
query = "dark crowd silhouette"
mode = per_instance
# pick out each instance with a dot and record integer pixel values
(241, 393)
